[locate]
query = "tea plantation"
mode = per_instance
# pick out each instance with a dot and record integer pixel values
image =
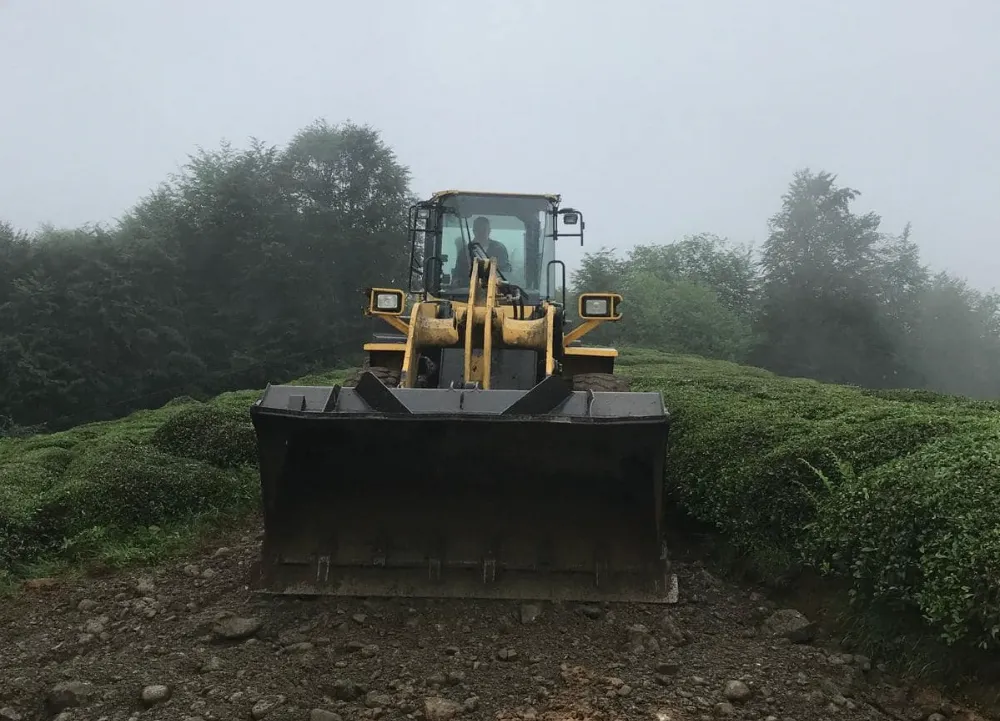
(893, 492)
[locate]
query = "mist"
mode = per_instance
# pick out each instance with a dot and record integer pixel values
(805, 187)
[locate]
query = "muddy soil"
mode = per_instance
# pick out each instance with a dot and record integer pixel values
(189, 641)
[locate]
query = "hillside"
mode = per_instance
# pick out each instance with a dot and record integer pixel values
(888, 491)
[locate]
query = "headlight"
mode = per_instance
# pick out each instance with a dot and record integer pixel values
(387, 302)
(595, 307)
(599, 306)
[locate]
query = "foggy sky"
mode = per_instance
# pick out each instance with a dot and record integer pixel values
(655, 118)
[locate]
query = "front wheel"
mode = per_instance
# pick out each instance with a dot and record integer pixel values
(601, 382)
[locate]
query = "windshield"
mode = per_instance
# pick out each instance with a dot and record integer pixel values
(513, 230)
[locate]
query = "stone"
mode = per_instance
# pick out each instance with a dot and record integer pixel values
(68, 694)
(236, 628)
(736, 691)
(318, 714)
(791, 624)
(530, 612)
(154, 694)
(440, 709)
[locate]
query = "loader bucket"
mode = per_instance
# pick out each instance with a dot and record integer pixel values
(540, 494)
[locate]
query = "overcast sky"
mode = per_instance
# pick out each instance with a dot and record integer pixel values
(655, 118)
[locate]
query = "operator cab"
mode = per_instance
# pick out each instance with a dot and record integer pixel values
(520, 231)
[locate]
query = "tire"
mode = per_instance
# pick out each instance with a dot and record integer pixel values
(601, 382)
(388, 376)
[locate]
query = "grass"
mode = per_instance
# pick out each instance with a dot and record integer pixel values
(889, 494)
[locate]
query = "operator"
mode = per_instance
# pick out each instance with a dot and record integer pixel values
(494, 249)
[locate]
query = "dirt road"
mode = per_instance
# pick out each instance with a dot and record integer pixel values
(188, 641)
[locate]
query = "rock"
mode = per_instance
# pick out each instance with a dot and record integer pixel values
(378, 700)
(436, 679)
(471, 703)
(440, 709)
(152, 695)
(506, 654)
(791, 624)
(191, 570)
(670, 631)
(530, 612)
(668, 668)
(86, 605)
(932, 717)
(725, 708)
(40, 584)
(736, 691)
(640, 639)
(96, 626)
(145, 587)
(265, 706)
(591, 612)
(300, 647)
(346, 690)
(9, 714)
(68, 694)
(359, 618)
(214, 663)
(318, 714)
(236, 628)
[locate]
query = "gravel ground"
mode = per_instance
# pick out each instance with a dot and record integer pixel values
(189, 641)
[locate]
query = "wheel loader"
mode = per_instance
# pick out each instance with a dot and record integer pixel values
(482, 451)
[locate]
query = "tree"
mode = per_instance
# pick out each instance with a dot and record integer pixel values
(824, 284)
(244, 268)
(683, 316)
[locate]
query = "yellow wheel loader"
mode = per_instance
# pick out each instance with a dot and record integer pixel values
(482, 451)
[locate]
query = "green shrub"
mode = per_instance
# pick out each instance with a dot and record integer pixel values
(892, 490)
(922, 531)
(126, 486)
(22, 532)
(220, 436)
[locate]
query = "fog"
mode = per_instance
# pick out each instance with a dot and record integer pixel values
(657, 119)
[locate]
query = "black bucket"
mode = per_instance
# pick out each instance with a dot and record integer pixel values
(544, 494)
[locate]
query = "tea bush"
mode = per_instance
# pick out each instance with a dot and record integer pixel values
(130, 489)
(894, 491)
(220, 436)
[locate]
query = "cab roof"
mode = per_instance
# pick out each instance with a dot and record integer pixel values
(551, 197)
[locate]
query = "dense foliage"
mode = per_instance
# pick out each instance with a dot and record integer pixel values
(117, 491)
(830, 296)
(892, 492)
(244, 269)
